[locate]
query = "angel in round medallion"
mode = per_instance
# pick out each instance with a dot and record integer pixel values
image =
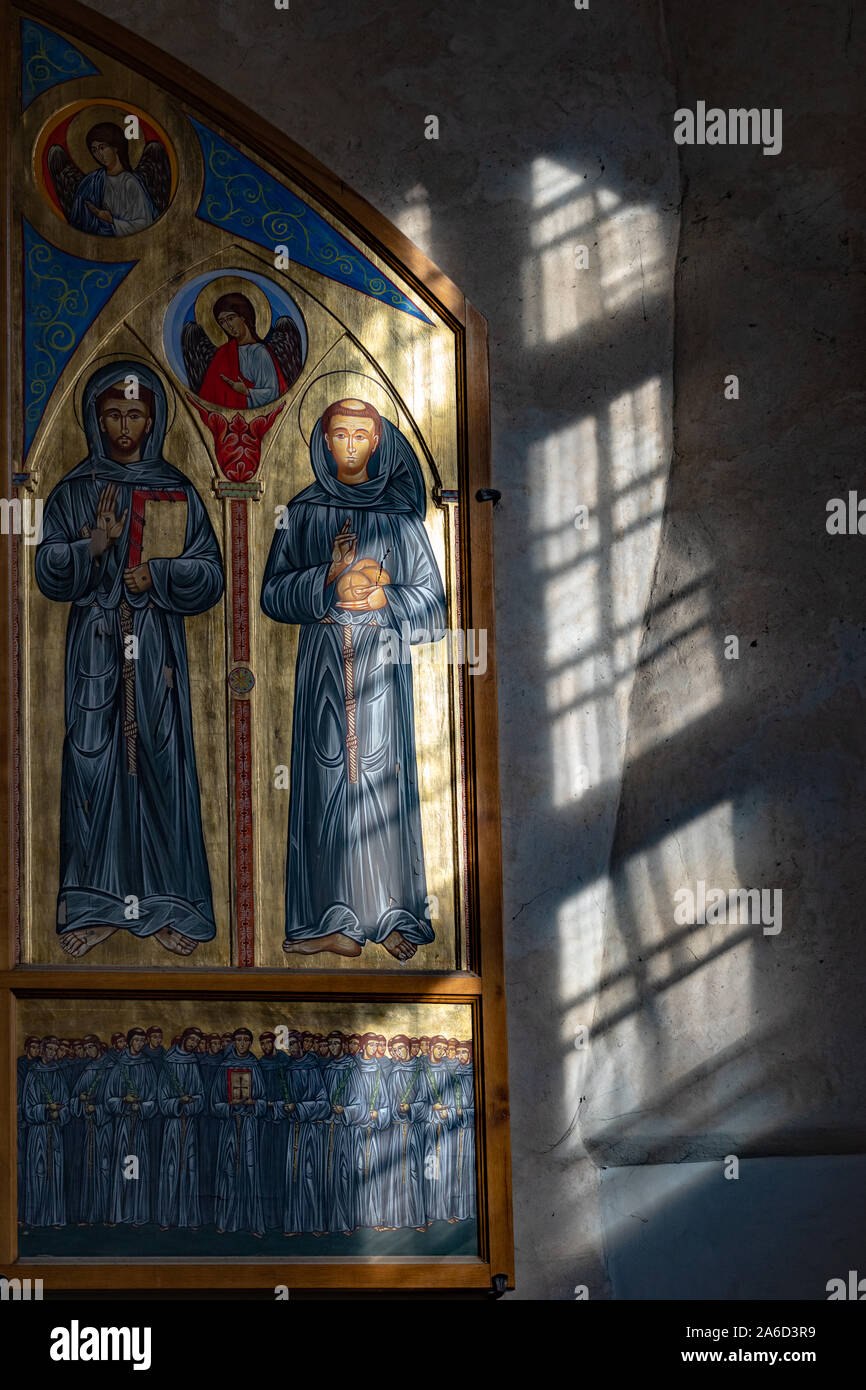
(246, 371)
(114, 199)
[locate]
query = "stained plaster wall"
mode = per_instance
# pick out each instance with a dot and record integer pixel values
(635, 759)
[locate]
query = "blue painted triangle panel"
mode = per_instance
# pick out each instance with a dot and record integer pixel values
(62, 296)
(240, 196)
(48, 59)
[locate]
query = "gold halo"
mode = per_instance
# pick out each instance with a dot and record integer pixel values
(103, 361)
(230, 284)
(325, 389)
(76, 135)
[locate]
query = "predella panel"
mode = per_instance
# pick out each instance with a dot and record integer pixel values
(203, 1128)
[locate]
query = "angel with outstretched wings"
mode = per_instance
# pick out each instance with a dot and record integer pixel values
(246, 371)
(114, 199)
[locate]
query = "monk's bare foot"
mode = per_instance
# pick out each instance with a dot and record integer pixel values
(335, 941)
(83, 939)
(175, 941)
(400, 948)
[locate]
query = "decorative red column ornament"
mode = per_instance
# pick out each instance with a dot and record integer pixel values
(238, 450)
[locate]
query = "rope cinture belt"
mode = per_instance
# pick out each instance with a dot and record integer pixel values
(351, 703)
(130, 725)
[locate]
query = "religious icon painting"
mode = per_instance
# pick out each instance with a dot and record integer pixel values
(236, 340)
(132, 854)
(249, 673)
(130, 564)
(177, 1127)
(105, 167)
(352, 566)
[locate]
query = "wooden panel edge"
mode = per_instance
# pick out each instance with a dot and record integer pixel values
(485, 762)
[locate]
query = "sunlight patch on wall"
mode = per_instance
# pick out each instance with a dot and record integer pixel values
(592, 255)
(595, 517)
(414, 219)
(668, 997)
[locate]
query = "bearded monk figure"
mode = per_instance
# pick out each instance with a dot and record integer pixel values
(130, 819)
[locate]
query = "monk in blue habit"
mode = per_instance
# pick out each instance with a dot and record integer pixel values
(440, 1146)
(238, 1101)
(463, 1080)
(131, 1098)
(132, 854)
(351, 563)
(25, 1062)
(340, 1076)
(181, 1101)
(407, 1102)
(71, 1059)
(155, 1050)
(304, 1109)
(28, 1057)
(46, 1112)
(155, 1053)
(209, 1127)
(272, 1139)
(369, 1114)
(92, 1158)
(117, 1051)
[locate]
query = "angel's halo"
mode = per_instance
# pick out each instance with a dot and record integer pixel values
(97, 114)
(324, 390)
(230, 284)
(102, 361)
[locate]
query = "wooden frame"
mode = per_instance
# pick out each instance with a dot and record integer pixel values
(483, 986)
